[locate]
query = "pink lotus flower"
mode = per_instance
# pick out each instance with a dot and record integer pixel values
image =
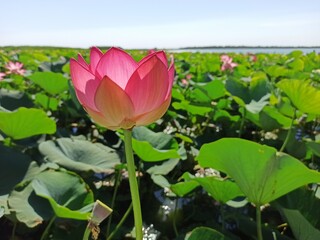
(15, 68)
(188, 76)
(118, 92)
(2, 75)
(227, 63)
(253, 57)
(184, 82)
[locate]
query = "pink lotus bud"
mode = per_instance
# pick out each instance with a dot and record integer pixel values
(118, 92)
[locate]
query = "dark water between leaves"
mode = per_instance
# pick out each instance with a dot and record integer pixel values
(254, 50)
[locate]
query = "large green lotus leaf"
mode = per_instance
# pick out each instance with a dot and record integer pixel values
(160, 180)
(247, 226)
(259, 88)
(276, 71)
(261, 173)
(301, 228)
(12, 99)
(16, 167)
(68, 194)
(199, 96)
(80, 155)
(163, 168)
(301, 209)
(271, 118)
(26, 122)
(183, 188)
(176, 94)
(222, 114)
(152, 147)
(208, 92)
(47, 102)
(4, 208)
(148, 153)
(238, 89)
(193, 109)
(28, 207)
(305, 210)
(158, 140)
(53, 83)
(295, 54)
(214, 89)
(221, 190)
(314, 147)
(201, 233)
(13, 168)
(304, 97)
(297, 65)
(256, 106)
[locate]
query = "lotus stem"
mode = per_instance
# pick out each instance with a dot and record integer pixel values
(86, 233)
(46, 231)
(288, 133)
(124, 217)
(243, 119)
(133, 184)
(14, 230)
(258, 221)
(174, 223)
(116, 187)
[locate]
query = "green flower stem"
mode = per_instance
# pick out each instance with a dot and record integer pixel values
(124, 217)
(288, 133)
(116, 187)
(243, 119)
(46, 231)
(174, 223)
(14, 230)
(86, 233)
(133, 184)
(258, 221)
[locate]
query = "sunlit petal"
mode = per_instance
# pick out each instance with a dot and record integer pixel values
(113, 102)
(117, 65)
(148, 86)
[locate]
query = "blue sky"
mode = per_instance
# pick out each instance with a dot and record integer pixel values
(161, 24)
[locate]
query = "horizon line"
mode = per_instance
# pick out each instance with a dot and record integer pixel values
(176, 48)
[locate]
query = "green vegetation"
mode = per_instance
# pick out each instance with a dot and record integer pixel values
(236, 156)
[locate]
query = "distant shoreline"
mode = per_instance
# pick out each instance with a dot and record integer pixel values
(179, 48)
(234, 47)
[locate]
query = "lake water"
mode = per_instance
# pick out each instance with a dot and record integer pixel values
(248, 50)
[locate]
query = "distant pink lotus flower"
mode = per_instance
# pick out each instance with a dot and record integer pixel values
(227, 63)
(118, 92)
(188, 76)
(253, 57)
(2, 75)
(15, 68)
(184, 82)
